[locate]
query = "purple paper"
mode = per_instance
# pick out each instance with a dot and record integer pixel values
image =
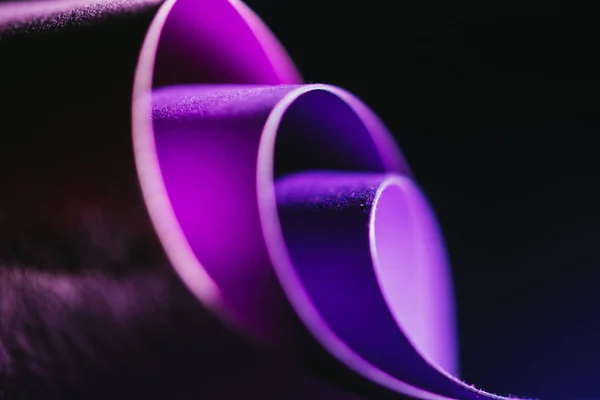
(348, 255)
(354, 248)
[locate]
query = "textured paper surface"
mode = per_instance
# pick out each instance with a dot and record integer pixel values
(398, 334)
(216, 152)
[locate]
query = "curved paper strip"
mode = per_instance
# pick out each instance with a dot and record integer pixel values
(206, 142)
(217, 41)
(291, 118)
(367, 250)
(58, 167)
(218, 151)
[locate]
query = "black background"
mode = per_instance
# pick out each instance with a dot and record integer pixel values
(495, 105)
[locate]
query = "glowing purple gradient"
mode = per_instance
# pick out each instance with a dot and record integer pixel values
(215, 147)
(200, 42)
(355, 241)
(206, 162)
(218, 41)
(346, 232)
(205, 157)
(411, 267)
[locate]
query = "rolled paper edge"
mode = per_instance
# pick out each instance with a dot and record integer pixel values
(284, 269)
(146, 160)
(394, 162)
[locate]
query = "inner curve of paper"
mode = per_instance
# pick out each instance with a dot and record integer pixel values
(408, 265)
(208, 166)
(379, 280)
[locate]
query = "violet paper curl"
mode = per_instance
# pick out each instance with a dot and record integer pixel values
(199, 178)
(235, 162)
